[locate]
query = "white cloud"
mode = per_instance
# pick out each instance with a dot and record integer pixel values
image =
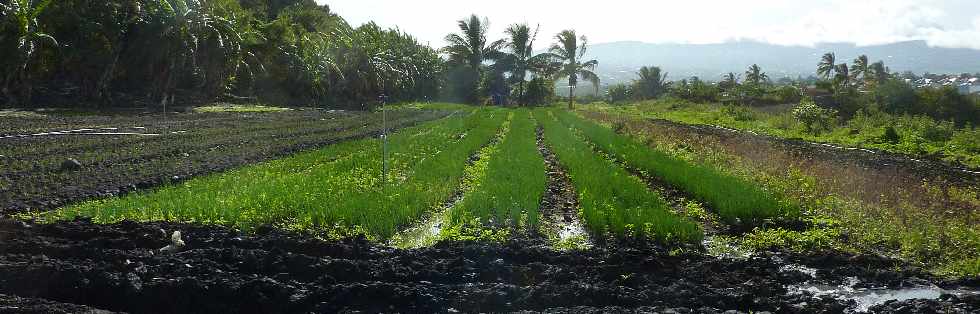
(948, 23)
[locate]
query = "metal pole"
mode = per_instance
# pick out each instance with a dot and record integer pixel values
(384, 144)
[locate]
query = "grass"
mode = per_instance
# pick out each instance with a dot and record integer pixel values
(611, 200)
(918, 135)
(736, 201)
(220, 107)
(509, 184)
(845, 205)
(336, 189)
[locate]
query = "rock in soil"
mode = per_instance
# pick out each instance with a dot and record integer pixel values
(70, 164)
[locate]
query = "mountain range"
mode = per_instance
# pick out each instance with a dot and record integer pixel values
(619, 61)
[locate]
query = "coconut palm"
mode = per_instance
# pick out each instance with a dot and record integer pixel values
(729, 81)
(878, 72)
(652, 82)
(859, 70)
(520, 55)
(570, 49)
(843, 77)
(21, 17)
(754, 75)
(469, 47)
(826, 66)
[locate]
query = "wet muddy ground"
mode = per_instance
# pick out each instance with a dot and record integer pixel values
(77, 265)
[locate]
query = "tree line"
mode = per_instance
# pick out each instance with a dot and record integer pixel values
(508, 69)
(157, 53)
(839, 89)
(161, 52)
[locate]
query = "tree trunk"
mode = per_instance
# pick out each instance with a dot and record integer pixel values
(571, 96)
(520, 93)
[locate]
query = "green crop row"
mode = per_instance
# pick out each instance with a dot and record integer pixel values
(335, 188)
(612, 200)
(511, 183)
(735, 200)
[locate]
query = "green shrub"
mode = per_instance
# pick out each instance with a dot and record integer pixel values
(813, 117)
(620, 93)
(739, 113)
(891, 136)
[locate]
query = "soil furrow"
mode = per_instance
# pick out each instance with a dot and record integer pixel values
(559, 204)
(118, 267)
(426, 232)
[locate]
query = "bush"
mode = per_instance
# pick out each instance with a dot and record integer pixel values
(896, 96)
(540, 91)
(891, 136)
(813, 117)
(619, 93)
(739, 113)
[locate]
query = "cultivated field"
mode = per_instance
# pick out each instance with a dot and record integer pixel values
(507, 209)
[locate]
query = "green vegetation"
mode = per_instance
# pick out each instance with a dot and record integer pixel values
(910, 134)
(611, 200)
(324, 190)
(509, 184)
(929, 222)
(737, 202)
(239, 108)
(162, 52)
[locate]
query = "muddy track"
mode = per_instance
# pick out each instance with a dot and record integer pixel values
(118, 267)
(559, 204)
(924, 167)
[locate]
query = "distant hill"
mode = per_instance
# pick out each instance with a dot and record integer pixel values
(619, 61)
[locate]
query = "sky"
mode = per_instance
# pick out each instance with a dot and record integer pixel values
(943, 23)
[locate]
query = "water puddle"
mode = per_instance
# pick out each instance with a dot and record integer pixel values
(865, 298)
(724, 247)
(422, 235)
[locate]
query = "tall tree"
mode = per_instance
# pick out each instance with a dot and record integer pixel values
(652, 82)
(570, 49)
(859, 70)
(843, 77)
(754, 76)
(469, 47)
(878, 72)
(21, 17)
(729, 81)
(520, 55)
(826, 66)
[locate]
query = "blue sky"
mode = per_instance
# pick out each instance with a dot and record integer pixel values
(945, 23)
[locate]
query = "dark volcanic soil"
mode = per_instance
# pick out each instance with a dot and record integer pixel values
(78, 265)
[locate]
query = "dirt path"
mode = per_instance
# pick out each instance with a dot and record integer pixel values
(559, 204)
(119, 267)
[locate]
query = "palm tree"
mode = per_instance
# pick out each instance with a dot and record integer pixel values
(826, 66)
(842, 78)
(729, 81)
(469, 47)
(754, 75)
(21, 16)
(520, 57)
(860, 68)
(878, 71)
(570, 49)
(652, 82)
